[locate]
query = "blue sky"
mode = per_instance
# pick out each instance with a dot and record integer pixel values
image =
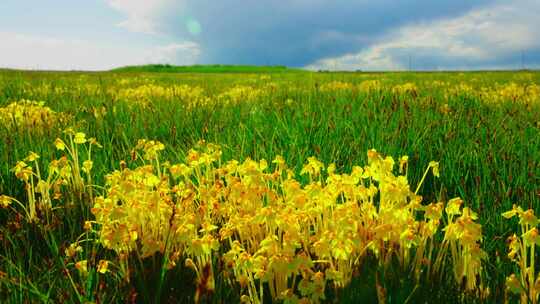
(315, 34)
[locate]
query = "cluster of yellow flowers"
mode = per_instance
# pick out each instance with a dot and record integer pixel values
(408, 88)
(270, 230)
(28, 115)
(240, 93)
(43, 90)
(366, 86)
(145, 94)
(461, 89)
(522, 252)
(125, 81)
(72, 171)
(526, 93)
(336, 86)
(523, 93)
(439, 83)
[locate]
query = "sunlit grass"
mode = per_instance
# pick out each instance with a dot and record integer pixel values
(483, 129)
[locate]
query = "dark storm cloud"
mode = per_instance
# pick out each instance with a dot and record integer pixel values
(345, 34)
(297, 33)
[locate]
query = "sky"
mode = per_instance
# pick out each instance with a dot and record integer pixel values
(313, 34)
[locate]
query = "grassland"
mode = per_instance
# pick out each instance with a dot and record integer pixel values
(217, 68)
(483, 129)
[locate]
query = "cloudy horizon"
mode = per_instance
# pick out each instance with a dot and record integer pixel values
(311, 34)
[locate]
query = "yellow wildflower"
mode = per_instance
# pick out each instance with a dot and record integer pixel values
(103, 266)
(82, 267)
(5, 201)
(59, 144)
(80, 138)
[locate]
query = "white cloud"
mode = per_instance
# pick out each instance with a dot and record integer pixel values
(475, 38)
(36, 52)
(142, 16)
(178, 53)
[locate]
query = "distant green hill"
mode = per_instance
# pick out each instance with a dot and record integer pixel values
(217, 68)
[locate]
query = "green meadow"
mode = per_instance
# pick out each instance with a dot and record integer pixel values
(482, 128)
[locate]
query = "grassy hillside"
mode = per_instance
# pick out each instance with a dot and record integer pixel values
(165, 68)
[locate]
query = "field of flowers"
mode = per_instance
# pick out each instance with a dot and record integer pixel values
(285, 187)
